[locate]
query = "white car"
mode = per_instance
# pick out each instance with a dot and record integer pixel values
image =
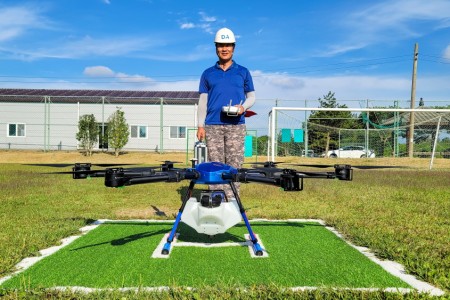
(351, 152)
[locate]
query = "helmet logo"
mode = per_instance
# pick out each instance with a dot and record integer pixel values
(225, 36)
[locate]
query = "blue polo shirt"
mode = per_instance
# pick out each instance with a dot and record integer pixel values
(223, 86)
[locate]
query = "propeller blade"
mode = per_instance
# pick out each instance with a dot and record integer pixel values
(77, 172)
(50, 165)
(267, 164)
(356, 167)
(72, 164)
(379, 167)
(170, 162)
(313, 166)
(112, 165)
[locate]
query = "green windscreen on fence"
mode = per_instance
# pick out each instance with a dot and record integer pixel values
(248, 146)
(285, 135)
(298, 135)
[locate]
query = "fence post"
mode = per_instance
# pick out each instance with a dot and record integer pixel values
(436, 138)
(161, 126)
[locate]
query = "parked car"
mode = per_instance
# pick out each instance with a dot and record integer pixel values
(351, 152)
(309, 154)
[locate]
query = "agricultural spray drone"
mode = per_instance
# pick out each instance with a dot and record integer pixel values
(213, 213)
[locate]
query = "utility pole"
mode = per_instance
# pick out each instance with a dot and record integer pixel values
(413, 102)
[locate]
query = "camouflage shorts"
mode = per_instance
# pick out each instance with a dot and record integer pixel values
(226, 144)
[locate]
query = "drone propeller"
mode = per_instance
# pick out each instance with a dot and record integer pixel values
(267, 164)
(170, 162)
(67, 165)
(356, 167)
(83, 171)
(168, 165)
(80, 172)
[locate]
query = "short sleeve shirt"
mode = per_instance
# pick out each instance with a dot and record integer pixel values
(222, 88)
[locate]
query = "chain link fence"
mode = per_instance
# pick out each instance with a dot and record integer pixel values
(387, 138)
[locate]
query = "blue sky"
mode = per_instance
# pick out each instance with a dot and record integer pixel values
(294, 49)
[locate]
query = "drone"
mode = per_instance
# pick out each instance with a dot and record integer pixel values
(213, 213)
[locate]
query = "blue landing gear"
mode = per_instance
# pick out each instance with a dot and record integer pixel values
(256, 246)
(257, 249)
(173, 232)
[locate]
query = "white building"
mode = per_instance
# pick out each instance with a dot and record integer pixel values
(48, 119)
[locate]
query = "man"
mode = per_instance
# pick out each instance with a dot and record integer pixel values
(223, 85)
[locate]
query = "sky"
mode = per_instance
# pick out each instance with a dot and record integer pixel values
(295, 50)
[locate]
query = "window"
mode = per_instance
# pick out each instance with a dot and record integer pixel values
(138, 131)
(16, 129)
(177, 132)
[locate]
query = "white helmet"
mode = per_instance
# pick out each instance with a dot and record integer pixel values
(225, 36)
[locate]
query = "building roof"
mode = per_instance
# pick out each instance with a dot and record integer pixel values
(95, 96)
(424, 119)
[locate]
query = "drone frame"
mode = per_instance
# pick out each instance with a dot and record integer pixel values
(209, 173)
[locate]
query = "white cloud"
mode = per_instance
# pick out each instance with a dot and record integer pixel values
(205, 23)
(98, 71)
(345, 87)
(391, 20)
(103, 46)
(84, 47)
(102, 72)
(15, 21)
(187, 26)
(10, 33)
(206, 18)
(447, 52)
(134, 78)
(277, 80)
(271, 87)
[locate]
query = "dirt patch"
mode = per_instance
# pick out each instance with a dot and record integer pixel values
(147, 213)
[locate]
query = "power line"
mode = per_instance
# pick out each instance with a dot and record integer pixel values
(175, 78)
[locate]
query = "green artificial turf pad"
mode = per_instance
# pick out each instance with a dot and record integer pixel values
(118, 254)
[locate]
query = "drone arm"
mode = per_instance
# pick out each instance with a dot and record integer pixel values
(117, 177)
(289, 180)
(319, 175)
(249, 178)
(149, 179)
(85, 174)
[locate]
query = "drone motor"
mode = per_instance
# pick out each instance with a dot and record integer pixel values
(114, 177)
(344, 172)
(289, 181)
(79, 169)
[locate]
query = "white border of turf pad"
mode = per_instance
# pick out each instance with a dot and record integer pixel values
(176, 243)
(391, 267)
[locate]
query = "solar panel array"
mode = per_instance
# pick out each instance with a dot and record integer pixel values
(94, 96)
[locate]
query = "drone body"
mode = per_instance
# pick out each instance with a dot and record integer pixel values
(211, 220)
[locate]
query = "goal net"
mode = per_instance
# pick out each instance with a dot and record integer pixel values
(358, 132)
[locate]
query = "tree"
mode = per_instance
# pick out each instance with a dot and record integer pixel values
(118, 131)
(323, 124)
(262, 144)
(87, 133)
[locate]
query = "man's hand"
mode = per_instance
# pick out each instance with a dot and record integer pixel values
(201, 133)
(241, 109)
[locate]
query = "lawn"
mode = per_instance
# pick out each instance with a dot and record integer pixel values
(118, 254)
(401, 214)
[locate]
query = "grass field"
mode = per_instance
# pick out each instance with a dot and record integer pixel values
(118, 254)
(401, 214)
